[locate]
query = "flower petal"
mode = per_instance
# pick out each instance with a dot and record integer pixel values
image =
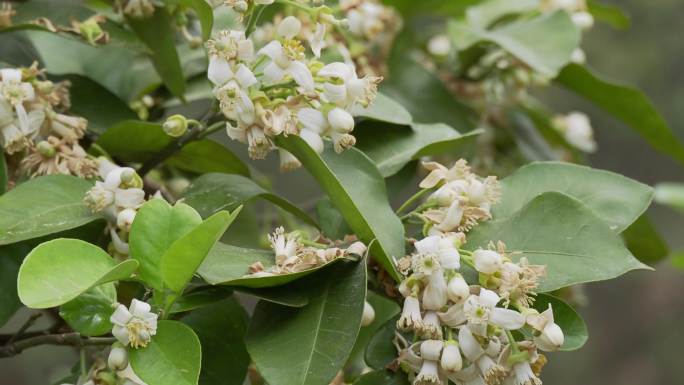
(506, 318)
(301, 74)
(312, 120)
(219, 71)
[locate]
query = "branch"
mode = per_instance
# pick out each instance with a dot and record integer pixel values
(64, 339)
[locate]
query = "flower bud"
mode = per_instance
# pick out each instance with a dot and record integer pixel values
(487, 261)
(431, 349)
(368, 314)
(435, 294)
(130, 178)
(125, 219)
(176, 125)
(583, 20)
(118, 358)
(551, 338)
(451, 360)
(340, 120)
(46, 149)
(439, 46)
(410, 315)
(289, 27)
(458, 289)
(240, 6)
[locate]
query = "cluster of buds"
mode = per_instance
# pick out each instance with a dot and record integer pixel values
(461, 199)
(34, 125)
(137, 9)
(576, 129)
(279, 91)
(292, 255)
(118, 196)
(461, 332)
(577, 9)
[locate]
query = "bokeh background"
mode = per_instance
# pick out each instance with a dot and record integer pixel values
(635, 322)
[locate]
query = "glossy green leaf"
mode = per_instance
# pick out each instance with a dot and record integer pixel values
(58, 271)
(331, 220)
(204, 13)
(156, 227)
(200, 297)
(134, 140)
(573, 326)
(380, 351)
(385, 109)
(289, 295)
(385, 310)
(16, 49)
(487, 12)
(357, 189)
(644, 242)
(545, 43)
(158, 33)
(42, 206)
(616, 199)
(229, 265)
(89, 313)
(424, 95)
(10, 260)
(101, 107)
(185, 255)
(608, 13)
(560, 232)
(173, 357)
(205, 156)
(625, 103)
(324, 330)
(392, 147)
(383, 377)
(221, 328)
(214, 191)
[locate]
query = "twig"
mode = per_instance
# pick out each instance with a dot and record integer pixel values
(64, 339)
(29, 322)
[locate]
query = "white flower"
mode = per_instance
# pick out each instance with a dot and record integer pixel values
(16, 92)
(368, 314)
(451, 219)
(317, 40)
(284, 246)
(289, 27)
(430, 352)
(435, 293)
(111, 192)
(410, 318)
(550, 336)
(576, 129)
(288, 161)
(487, 261)
(440, 173)
(135, 325)
(481, 310)
(451, 360)
(458, 289)
(469, 375)
(366, 19)
(522, 374)
(439, 45)
(346, 88)
(221, 74)
(118, 358)
(231, 45)
(431, 327)
(584, 20)
(286, 61)
(442, 246)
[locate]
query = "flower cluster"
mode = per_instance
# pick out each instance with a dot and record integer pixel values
(278, 90)
(292, 255)
(461, 200)
(118, 196)
(576, 129)
(462, 332)
(34, 125)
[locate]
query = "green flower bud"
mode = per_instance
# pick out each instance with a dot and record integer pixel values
(176, 125)
(46, 149)
(131, 179)
(90, 30)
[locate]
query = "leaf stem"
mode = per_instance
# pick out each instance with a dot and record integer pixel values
(411, 200)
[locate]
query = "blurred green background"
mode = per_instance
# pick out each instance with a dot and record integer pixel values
(635, 322)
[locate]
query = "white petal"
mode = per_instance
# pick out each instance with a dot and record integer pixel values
(121, 316)
(449, 258)
(22, 117)
(340, 120)
(129, 198)
(338, 70)
(219, 71)
(301, 74)
(469, 346)
(121, 334)
(312, 120)
(336, 93)
(244, 76)
(313, 139)
(273, 73)
(10, 75)
(139, 308)
(506, 318)
(289, 27)
(272, 49)
(488, 298)
(428, 245)
(454, 316)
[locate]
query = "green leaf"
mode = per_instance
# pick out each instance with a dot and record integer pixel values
(200, 297)
(185, 255)
(392, 147)
(573, 326)
(60, 270)
(10, 259)
(385, 310)
(42, 206)
(385, 109)
(89, 313)
(608, 13)
(380, 350)
(560, 232)
(383, 377)
(643, 240)
(203, 11)
(424, 95)
(616, 199)
(204, 156)
(357, 189)
(221, 328)
(3, 174)
(158, 33)
(324, 330)
(156, 227)
(16, 49)
(101, 107)
(485, 13)
(670, 194)
(627, 104)
(332, 223)
(289, 295)
(173, 357)
(214, 191)
(149, 138)
(545, 43)
(229, 265)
